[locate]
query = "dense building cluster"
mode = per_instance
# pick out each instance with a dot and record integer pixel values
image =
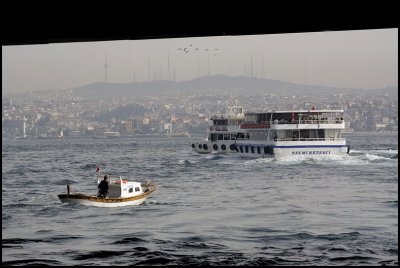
(56, 114)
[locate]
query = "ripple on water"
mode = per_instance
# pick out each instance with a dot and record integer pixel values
(208, 209)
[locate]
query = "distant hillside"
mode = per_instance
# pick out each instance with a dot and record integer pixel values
(211, 85)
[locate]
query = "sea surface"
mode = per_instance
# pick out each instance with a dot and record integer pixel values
(207, 210)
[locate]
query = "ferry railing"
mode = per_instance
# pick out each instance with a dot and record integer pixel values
(248, 125)
(309, 121)
(254, 125)
(297, 139)
(310, 139)
(219, 128)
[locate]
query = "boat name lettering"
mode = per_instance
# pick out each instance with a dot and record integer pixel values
(310, 152)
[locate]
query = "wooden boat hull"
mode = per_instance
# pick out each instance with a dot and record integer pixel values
(92, 200)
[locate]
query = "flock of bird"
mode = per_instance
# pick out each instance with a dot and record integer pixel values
(186, 50)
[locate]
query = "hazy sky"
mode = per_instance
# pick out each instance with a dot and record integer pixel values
(357, 59)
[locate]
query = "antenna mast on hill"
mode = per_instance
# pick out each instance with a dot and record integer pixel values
(251, 66)
(168, 72)
(105, 66)
(262, 67)
(148, 68)
(208, 65)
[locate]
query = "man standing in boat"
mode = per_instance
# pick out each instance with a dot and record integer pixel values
(103, 187)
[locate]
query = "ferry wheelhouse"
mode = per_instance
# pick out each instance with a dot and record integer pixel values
(278, 134)
(222, 132)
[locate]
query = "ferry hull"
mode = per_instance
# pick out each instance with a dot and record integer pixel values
(210, 147)
(290, 151)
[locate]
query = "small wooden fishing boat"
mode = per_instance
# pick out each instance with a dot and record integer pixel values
(122, 192)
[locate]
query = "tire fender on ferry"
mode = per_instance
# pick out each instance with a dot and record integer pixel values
(232, 147)
(223, 147)
(215, 147)
(205, 147)
(193, 146)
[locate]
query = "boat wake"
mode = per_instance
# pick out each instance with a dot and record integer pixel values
(259, 160)
(356, 158)
(186, 162)
(380, 152)
(213, 156)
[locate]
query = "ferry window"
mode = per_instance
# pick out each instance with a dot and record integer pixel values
(258, 150)
(227, 136)
(264, 117)
(131, 190)
(250, 118)
(220, 137)
(213, 137)
(259, 118)
(232, 136)
(137, 189)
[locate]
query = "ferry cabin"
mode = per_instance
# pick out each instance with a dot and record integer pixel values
(288, 133)
(222, 135)
(224, 129)
(222, 132)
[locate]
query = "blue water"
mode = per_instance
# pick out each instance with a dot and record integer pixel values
(208, 209)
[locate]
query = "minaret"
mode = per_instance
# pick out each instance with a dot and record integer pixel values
(105, 67)
(24, 127)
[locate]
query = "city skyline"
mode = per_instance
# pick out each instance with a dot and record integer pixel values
(348, 59)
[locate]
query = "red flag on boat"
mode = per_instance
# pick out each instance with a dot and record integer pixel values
(313, 108)
(97, 169)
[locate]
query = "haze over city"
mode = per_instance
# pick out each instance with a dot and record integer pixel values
(365, 59)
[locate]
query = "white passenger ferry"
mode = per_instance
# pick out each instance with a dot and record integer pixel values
(280, 134)
(222, 132)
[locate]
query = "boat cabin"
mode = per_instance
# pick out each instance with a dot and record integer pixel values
(123, 188)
